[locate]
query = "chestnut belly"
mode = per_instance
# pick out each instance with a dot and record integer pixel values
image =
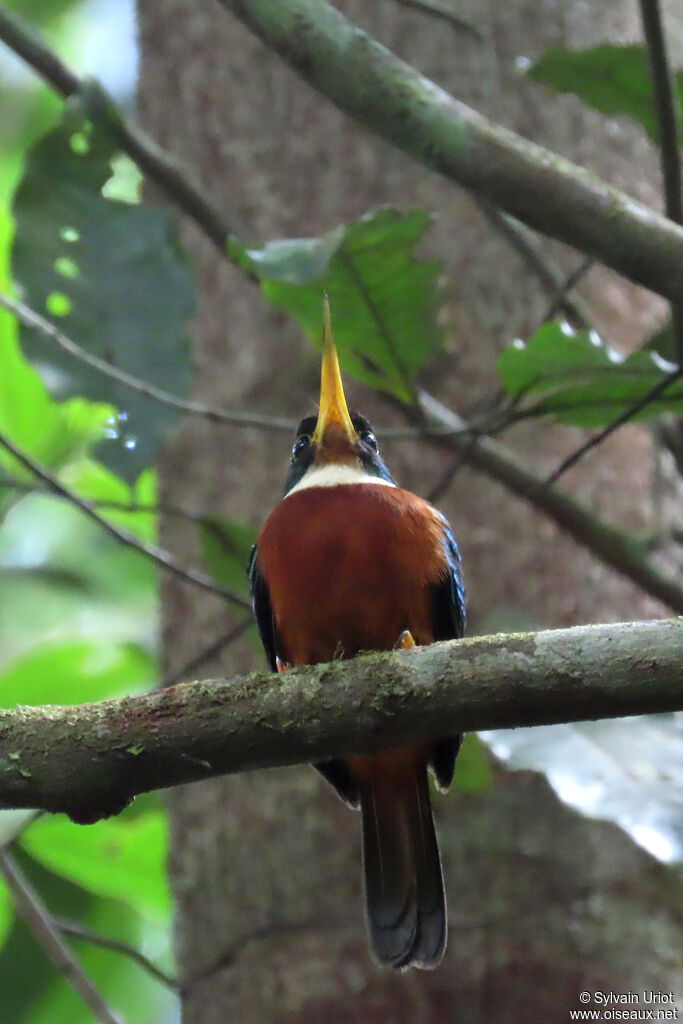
(348, 568)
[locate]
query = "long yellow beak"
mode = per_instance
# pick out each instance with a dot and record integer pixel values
(333, 407)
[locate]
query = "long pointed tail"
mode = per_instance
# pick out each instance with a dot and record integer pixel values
(406, 906)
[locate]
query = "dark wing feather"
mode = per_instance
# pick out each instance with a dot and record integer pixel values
(448, 595)
(263, 609)
(448, 618)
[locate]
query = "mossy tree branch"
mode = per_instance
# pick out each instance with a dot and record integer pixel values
(90, 760)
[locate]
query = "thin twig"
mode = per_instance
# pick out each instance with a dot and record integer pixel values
(37, 917)
(668, 116)
(619, 421)
(522, 240)
(447, 477)
(159, 165)
(208, 653)
(614, 546)
(570, 282)
(443, 11)
(668, 119)
(162, 558)
(30, 318)
(79, 931)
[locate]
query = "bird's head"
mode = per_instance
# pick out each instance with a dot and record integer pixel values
(336, 446)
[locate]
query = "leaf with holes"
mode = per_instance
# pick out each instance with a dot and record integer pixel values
(579, 380)
(612, 79)
(111, 275)
(384, 300)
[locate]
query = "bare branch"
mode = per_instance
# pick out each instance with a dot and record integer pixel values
(619, 421)
(30, 318)
(523, 241)
(547, 192)
(560, 299)
(668, 118)
(79, 931)
(444, 12)
(207, 653)
(90, 760)
(31, 908)
(165, 560)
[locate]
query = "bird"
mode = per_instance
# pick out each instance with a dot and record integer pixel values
(348, 562)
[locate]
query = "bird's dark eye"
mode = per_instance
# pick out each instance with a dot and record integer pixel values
(300, 446)
(368, 438)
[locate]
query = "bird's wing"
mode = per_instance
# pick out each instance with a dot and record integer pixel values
(448, 618)
(448, 594)
(262, 609)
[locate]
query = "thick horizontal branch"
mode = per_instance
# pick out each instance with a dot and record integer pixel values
(539, 187)
(90, 760)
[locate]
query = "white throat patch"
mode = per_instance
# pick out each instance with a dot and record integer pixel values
(332, 475)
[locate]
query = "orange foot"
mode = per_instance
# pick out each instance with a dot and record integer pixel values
(282, 666)
(405, 641)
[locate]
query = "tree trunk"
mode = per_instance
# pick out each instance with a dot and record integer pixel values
(266, 867)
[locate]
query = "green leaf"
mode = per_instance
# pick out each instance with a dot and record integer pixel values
(76, 671)
(578, 380)
(6, 913)
(473, 766)
(41, 11)
(110, 274)
(384, 300)
(225, 547)
(122, 858)
(612, 79)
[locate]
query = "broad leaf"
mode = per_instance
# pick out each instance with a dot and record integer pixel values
(579, 380)
(384, 300)
(111, 275)
(626, 770)
(123, 858)
(613, 79)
